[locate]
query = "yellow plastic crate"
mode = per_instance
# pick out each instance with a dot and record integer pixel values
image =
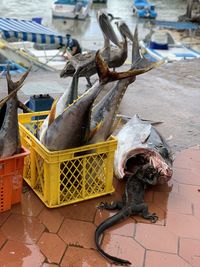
(68, 176)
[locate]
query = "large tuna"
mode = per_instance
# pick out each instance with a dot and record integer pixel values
(9, 131)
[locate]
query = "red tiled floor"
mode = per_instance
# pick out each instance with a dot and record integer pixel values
(17, 254)
(77, 233)
(81, 257)
(173, 202)
(49, 265)
(30, 205)
(187, 176)
(124, 247)
(2, 239)
(156, 238)
(64, 237)
(158, 259)
(21, 228)
(126, 228)
(183, 225)
(52, 247)
(189, 248)
(52, 219)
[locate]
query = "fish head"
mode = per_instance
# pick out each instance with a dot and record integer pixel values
(159, 169)
(68, 70)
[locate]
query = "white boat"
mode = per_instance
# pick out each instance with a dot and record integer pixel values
(71, 9)
(161, 46)
(50, 58)
(29, 43)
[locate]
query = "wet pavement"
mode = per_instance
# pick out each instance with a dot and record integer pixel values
(32, 235)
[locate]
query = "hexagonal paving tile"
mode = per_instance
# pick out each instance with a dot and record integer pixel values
(77, 233)
(52, 247)
(173, 202)
(52, 219)
(79, 257)
(83, 211)
(50, 265)
(189, 249)
(186, 176)
(183, 225)
(156, 238)
(125, 248)
(2, 239)
(22, 228)
(158, 259)
(3, 216)
(30, 205)
(191, 192)
(125, 228)
(16, 254)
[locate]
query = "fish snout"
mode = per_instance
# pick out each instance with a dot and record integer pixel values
(165, 176)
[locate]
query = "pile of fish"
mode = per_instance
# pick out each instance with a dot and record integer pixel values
(9, 131)
(142, 157)
(114, 56)
(75, 121)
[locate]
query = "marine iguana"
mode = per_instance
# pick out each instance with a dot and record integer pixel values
(132, 203)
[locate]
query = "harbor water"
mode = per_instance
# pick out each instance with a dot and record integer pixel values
(87, 31)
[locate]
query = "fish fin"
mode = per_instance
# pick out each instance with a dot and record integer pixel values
(52, 113)
(18, 84)
(123, 27)
(106, 27)
(94, 130)
(105, 75)
(138, 61)
(102, 68)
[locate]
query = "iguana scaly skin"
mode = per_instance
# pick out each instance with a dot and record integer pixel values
(131, 204)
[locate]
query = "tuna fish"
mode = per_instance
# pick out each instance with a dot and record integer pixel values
(72, 127)
(103, 113)
(9, 131)
(143, 157)
(58, 107)
(139, 140)
(114, 56)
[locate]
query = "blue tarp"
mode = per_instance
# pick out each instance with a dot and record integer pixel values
(176, 25)
(28, 30)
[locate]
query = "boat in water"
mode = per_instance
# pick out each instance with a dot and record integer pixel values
(13, 67)
(144, 9)
(71, 9)
(161, 46)
(29, 43)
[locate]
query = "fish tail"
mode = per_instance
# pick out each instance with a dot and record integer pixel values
(12, 86)
(138, 61)
(52, 113)
(101, 228)
(102, 68)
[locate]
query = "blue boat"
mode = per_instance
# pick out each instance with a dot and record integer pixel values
(14, 68)
(144, 9)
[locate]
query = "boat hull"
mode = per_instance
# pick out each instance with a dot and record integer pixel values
(69, 11)
(174, 52)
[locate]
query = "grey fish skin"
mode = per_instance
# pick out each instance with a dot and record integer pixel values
(69, 129)
(138, 138)
(103, 114)
(114, 56)
(9, 131)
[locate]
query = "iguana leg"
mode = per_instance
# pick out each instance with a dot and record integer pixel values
(142, 209)
(111, 206)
